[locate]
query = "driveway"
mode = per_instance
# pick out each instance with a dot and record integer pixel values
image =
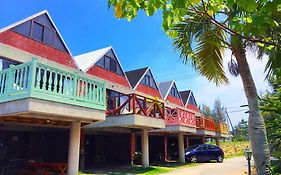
(231, 166)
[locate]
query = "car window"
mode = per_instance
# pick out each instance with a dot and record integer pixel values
(212, 147)
(202, 147)
(191, 147)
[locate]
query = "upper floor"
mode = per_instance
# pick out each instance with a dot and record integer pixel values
(58, 73)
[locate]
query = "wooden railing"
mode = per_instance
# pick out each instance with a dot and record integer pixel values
(176, 116)
(51, 82)
(205, 123)
(134, 104)
(222, 128)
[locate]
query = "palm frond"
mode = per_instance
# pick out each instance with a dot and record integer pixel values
(273, 63)
(209, 53)
(202, 43)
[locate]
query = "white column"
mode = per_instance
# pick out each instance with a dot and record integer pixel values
(73, 148)
(144, 148)
(181, 147)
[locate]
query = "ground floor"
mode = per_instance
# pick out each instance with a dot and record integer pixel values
(25, 148)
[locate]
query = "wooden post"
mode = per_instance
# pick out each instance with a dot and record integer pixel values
(133, 147)
(165, 149)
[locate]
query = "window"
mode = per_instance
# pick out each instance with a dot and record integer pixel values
(37, 31)
(41, 30)
(5, 64)
(110, 64)
(148, 81)
(48, 37)
(173, 92)
(192, 100)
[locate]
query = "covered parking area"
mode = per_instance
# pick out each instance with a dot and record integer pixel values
(25, 148)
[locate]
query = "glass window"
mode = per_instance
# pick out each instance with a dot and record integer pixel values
(37, 31)
(48, 36)
(107, 63)
(101, 62)
(192, 101)
(147, 80)
(113, 65)
(23, 29)
(5, 64)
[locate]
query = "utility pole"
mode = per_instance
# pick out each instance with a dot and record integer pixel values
(230, 123)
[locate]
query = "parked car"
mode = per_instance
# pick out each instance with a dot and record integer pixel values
(204, 152)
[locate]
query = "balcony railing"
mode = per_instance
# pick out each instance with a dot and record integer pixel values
(221, 128)
(134, 104)
(54, 83)
(205, 123)
(176, 116)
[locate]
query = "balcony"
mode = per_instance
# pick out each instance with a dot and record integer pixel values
(221, 129)
(133, 111)
(38, 87)
(205, 126)
(177, 120)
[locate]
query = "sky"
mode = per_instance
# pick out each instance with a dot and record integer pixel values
(89, 25)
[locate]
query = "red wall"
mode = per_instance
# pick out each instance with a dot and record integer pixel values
(148, 90)
(36, 48)
(108, 75)
(174, 100)
(192, 107)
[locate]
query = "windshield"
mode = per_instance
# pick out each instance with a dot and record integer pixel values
(191, 148)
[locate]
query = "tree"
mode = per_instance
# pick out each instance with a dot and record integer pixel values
(206, 110)
(241, 130)
(203, 29)
(271, 111)
(219, 111)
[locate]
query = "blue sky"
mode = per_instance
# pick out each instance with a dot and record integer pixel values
(88, 25)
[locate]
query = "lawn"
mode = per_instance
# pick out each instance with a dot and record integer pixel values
(163, 168)
(233, 148)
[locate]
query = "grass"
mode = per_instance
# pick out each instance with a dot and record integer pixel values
(129, 170)
(233, 148)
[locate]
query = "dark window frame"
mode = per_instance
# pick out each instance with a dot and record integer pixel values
(110, 65)
(64, 49)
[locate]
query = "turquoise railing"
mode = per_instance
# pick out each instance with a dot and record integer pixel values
(54, 83)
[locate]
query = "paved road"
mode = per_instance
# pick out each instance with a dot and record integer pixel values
(232, 166)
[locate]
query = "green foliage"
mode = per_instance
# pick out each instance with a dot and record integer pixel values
(241, 131)
(200, 27)
(219, 111)
(271, 111)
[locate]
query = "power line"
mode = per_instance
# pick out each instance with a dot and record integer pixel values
(237, 111)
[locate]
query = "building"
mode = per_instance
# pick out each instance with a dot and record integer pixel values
(59, 110)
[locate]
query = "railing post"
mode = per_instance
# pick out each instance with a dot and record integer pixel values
(9, 81)
(145, 106)
(134, 103)
(75, 87)
(31, 82)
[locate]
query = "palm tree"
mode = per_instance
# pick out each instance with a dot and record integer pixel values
(203, 42)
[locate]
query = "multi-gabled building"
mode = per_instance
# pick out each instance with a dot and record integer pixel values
(58, 111)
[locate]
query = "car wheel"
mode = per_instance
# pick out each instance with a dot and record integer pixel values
(220, 159)
(193, 159)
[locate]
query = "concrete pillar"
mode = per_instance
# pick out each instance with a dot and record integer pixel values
(73, 148)
(203, 139)
(217, 139)
(181, 147)
(144, 148)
